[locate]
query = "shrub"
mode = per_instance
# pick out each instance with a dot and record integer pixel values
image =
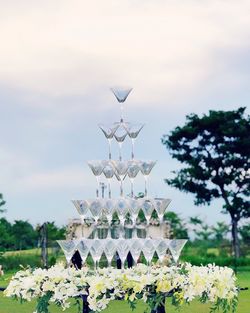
(13, 262)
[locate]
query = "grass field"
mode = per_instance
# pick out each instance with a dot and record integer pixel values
(10, 306)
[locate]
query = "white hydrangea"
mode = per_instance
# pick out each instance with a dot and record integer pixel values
(188, 282)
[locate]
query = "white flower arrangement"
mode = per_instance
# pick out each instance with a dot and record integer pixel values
(58, 285)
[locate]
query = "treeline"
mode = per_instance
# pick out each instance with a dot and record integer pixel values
(196, 229)
(21, 235)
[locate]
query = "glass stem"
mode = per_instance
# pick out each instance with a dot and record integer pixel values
(121, 188)
(97, 189)
(109, 187)
(96, 231)
(120, 151)
(121, 107)
(132, 187)
(109, 141)
(146, 190)
(161, 224)
(109, 263)
(133, 146)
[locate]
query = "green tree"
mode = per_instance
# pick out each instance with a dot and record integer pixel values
(177, 225)
(202, 230)
(55, 232)
(2, 202)
(7, 240)
(24, 235)
(245, 233)
(220, 231)
(215, 151)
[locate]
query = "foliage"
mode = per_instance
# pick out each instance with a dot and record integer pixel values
(177, 225)
(215, 149)
(220, 231)
(22, 235)
(245, 233)
(2, 202)
(201, 229)
(55, 233)
(14, 261)
(6, 238)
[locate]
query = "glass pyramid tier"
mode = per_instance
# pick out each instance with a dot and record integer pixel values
(136, 246)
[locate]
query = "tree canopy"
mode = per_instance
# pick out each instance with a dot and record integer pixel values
(215, 152)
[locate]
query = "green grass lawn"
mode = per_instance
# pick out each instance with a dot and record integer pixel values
(10, 306)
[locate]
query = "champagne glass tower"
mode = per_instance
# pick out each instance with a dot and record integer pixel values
(100, 212)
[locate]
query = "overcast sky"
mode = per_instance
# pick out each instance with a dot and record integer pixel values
(57, 62)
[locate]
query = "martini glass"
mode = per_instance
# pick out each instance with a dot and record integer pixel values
(108, 172)
(147, 208)
(95, 208)
(135, 249)
(109, 131)
(68, 247)
(83, 249)
(133, 169)
(148, 250)
(97, 168)
(121, 94)
(123, 249)
(175, 247)
(82, 207)
(161, 246)
(146, 167)
(108, 210)
(120, 136)
(160, 205)
(121, 168)
(134, 206)
(133, 131)
(96, 251)
(109, 250)
(122, 210)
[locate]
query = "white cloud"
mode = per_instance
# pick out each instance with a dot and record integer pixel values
(60, 48)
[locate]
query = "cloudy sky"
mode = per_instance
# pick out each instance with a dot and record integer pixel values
(57, 62)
